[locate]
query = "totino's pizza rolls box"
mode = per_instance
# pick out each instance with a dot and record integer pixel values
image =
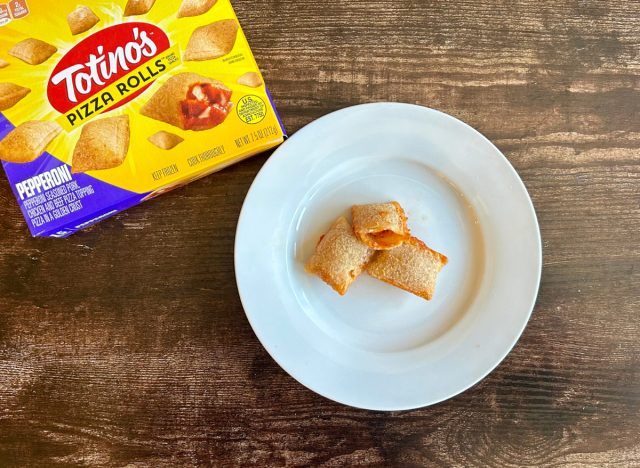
(105, 104)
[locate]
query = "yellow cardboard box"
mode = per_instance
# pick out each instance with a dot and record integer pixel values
(105, 104)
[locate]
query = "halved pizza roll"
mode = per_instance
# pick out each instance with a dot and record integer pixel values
(165, 140)
(33, 51)
(138, 7)
(4, 63)
(82, 19)
(28, 141)
(11, 94)
(412, 266)
(212, 41)
(251, 79)
(103, 144)
(190, 101)
(339, 257)
(381, 226)
(195, 7)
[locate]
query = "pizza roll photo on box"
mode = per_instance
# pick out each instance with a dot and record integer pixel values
(103, 144)
(81, 20)
(11, 94)
(251, 79)
(195, 7)
(32, 51)
(212, 41)
(28, 141)
(165, 140)
(138, 7)
(107, 104)
(190, 102)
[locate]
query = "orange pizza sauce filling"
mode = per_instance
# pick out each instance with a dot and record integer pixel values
(387, 238)
(205, 106)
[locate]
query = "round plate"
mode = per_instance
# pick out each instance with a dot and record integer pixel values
(379, 347)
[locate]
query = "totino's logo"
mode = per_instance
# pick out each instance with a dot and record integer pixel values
(116, 56)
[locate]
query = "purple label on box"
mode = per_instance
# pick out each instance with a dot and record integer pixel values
(273, 106)
(56, 202)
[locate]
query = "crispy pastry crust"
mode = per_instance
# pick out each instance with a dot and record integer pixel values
(339, 257)
(412, 266)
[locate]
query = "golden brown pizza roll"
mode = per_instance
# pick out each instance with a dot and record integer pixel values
(195, 7)
(412, 266)
(33, 51)
(212, 41)
(103, 144)
(165, 140)
(339, 257)
(138, 7)
(11, 94)
(251, 79)
(82, 19)
(4, 63)
(381, 226)
(28, 141)
(190, 101)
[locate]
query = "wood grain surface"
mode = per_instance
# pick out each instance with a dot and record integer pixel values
(127, 345)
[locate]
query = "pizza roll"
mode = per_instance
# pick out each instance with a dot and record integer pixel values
(33, 51)
(103, 144)
(11, 94)
(165, 140)
(190, 102)
(4, 63)
(251, 79)
(28, 141)
(195, 7)
(339, 257)
(138, 7)
(381, 226)
(81, 20)
(412, 266)
(212, 41)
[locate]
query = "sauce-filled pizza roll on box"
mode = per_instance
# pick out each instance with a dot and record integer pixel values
(106, 104)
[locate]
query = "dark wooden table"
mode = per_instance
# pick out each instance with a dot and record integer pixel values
(127, 344)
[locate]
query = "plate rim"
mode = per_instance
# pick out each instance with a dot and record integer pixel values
(531, 211)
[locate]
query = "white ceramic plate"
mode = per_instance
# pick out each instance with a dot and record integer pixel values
(379, 347)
